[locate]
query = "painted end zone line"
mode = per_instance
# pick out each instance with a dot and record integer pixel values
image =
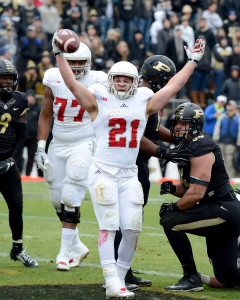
(86, 265)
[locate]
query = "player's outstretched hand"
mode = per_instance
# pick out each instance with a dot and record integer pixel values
(5, 165)
(41, 158)
(198, 51)
(55, 47)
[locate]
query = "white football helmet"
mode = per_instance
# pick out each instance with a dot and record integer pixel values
(123, 68)
(83, 53)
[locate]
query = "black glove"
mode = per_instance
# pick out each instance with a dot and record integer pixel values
(175, 155)
(5, 165)
(167, 187)
(167, 208)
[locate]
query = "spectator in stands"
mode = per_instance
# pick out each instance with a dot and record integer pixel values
(220, 53)
(187, 32)
(98, 54)
(50, 17)
(127, 18)
(31, 134)
(212, 113)
(236, 37)
(26, 13)
(174, 19)
(203, 29)
(106, 14)
(231, 86)
(31, 47)
(44, 64)
(220, 33)
(175, 51)
(232, 60)
(163, 36)
(5, 53)
(40, 34)
(145, 14)
(28, 79)
(67, 9)
(230, 24)
(187, 12)
(93, 21)
(74, 21)
(227, 134)
(200, 77)
(110, 42)
(10, 39)
(137, 46)
(157, 25)
(213, 19)
(228, 5)
(122, 52)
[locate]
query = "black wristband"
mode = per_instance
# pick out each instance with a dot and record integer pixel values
(194, 61)
(175, 206)
(57, 53)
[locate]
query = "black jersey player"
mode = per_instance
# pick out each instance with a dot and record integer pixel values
(13, 111)
(207, 205)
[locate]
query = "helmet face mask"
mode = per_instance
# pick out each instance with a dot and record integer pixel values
(193, 116)
(8, 79)
(82, 54)
(123, 69)
(157, 70)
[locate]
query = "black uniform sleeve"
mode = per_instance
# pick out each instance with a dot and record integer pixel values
(201, 145)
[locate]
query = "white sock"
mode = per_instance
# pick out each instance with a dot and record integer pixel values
(66, 240)
(205, 279)
(76, 240)
(106, 249)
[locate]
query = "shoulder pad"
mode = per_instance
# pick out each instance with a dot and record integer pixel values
(201, 145)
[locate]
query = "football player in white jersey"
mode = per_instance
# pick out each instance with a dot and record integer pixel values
(70, 152)
(119, 113)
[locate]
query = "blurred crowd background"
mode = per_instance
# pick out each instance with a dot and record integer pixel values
(120, 30)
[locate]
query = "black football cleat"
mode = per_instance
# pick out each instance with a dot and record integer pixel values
(24, 258)
(187, 284)
(132, 279)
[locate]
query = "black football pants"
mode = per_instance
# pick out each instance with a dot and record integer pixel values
(219, 222)
(11, 189)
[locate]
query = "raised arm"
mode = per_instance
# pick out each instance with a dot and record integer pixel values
(84, 97)
(161, 98)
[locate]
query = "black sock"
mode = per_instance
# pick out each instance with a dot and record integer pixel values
(17, 247)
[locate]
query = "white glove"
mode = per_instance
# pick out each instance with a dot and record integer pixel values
(41, 158)
(197, 53)
(55, 47)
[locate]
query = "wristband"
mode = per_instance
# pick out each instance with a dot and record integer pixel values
(57, 53)
(42, 144)
(194, 61)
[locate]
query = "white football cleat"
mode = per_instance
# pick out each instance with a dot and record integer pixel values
(114, 289)
(77, 255)
(62, 262)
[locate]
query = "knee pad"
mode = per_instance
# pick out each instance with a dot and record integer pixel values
(77, 169)
(60, 215)
(137, 196)
(72, 194)
(55, 196)
(110, 219)
(136, 221)
(105, 193)
(70, 216)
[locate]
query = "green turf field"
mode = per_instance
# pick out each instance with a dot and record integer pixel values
(42, 233)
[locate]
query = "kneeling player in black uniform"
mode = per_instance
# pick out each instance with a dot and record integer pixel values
(207, 206)
(13, 107)
(156, 71)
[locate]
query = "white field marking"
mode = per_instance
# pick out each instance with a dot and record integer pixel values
(156, 199)
(82, 221)
(2, 254)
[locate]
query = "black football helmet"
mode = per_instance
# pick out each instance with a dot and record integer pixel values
(190, 113)
(7, 68)
(157, 70)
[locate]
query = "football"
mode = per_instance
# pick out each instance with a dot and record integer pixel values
(67, 40)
